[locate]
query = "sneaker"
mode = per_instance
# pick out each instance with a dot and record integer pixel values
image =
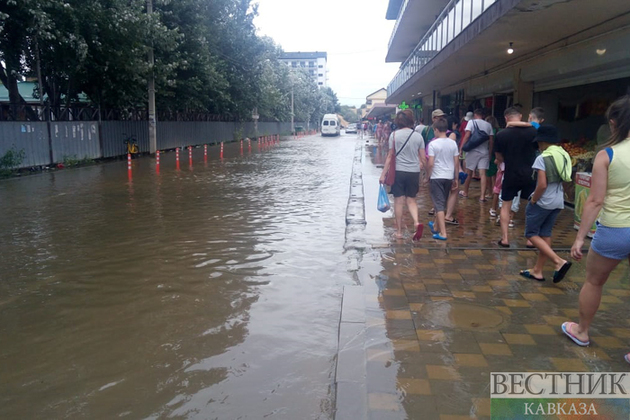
(493, 213)
(511, 224)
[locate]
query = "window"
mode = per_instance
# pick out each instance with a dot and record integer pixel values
(294, 63)
(320, 83)
(368, 102)
(325, 122)
(321, 74)
(311, 64)
(302, 63)
(320, 66)
(311, 72)
(332, 123)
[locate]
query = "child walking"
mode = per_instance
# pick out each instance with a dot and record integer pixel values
(552, 167)
(443, 168)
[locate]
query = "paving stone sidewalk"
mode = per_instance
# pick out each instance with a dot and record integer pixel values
(440, 316)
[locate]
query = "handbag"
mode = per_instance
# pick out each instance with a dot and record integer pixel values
(391, 171)
(383, 201)
(477, 138)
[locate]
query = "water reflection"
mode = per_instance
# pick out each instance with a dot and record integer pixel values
(210, 292)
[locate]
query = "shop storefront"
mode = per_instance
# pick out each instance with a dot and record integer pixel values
(579, 114)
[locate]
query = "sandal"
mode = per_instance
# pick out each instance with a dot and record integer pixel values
(566, 329)
(433, 231)
(493, 213)
(502, 244)
(452, 222)
(528, 275)
(438, 237)
(462, 195)
(559, 275)
(432, 212)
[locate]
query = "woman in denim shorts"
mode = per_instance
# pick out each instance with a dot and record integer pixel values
(610, 193)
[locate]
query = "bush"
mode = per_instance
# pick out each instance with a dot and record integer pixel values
(10, 161)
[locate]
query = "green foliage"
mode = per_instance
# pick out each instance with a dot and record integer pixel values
(11, 160)
(74, 161)
(208, 57)
(349, 113)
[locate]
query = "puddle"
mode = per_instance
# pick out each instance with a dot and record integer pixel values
(465, 316)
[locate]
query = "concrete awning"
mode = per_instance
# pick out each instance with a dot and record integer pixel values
(413, 23)
(539, 30)
(378, 110)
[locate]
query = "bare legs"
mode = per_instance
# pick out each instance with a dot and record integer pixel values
(412, 205)
(441, 223)
(598, 269)
(546, 253)
(484, 180)
(505, 220)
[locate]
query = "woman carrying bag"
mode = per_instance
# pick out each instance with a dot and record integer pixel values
(406, 154)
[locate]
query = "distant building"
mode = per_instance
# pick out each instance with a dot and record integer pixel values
(313, 62)
(376, 106)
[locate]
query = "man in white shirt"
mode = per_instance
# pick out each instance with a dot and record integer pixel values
(479, 157)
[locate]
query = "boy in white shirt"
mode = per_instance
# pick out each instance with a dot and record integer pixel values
(443, 168)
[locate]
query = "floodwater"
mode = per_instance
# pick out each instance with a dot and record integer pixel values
(209, 292)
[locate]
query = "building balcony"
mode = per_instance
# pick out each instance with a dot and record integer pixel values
(413, 20)
(470, 38)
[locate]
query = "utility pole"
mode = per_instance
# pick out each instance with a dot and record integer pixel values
(152, 119)
(292, 113)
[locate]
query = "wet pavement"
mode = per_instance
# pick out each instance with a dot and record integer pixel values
(257, 286)
(438, 317)
(209, 292)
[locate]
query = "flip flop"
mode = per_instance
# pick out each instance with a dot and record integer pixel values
(559, 275)
(462, 195)
(432, 212)
(433, 231)
(482, 200)
(452, 222)
(566, 329)
(418, 235)
(438, 237)
(502, 244)
(528, 275)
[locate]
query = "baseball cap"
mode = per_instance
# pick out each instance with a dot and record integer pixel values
(437, 113)
(469, 116)
(547, 134)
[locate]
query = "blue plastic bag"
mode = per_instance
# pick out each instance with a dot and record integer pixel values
(383, 201)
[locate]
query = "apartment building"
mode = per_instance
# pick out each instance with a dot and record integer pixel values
(569, 56)
(313, 62)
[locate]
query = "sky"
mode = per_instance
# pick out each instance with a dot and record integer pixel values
(354, 33)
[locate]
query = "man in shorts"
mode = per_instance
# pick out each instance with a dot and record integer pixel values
(515, 148)
(479, 157)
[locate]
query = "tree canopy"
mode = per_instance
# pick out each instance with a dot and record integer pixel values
(208, 58)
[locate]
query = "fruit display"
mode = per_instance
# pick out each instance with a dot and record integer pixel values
(574, 149)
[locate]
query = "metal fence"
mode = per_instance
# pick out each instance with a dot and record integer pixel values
(54, 142)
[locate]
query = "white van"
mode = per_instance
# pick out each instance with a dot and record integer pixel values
(330, 125)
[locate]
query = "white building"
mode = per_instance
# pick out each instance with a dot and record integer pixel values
(313, 62)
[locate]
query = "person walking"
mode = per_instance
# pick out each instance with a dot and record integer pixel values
(479, 157)
(406, 147)
(610, 193)
(515, 148)
(553, 167)
(443, 169)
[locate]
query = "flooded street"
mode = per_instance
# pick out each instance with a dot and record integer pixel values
(209, 292)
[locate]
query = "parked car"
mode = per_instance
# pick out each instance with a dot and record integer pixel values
(351, 128)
